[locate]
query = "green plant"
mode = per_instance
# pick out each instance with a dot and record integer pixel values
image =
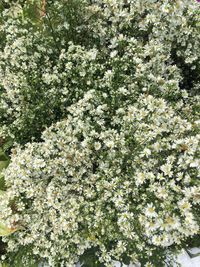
(104, 98)
(125, 184)
(39, 72)
(48, 62)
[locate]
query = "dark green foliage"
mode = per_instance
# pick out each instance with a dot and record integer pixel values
(4, 161)
(89, 259)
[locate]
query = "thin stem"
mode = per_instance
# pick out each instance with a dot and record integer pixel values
(52, 31)
(43, 13)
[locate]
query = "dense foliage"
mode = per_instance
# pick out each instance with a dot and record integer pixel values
(102, 99)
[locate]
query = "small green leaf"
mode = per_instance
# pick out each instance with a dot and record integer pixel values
(5, 231)
(4, 160)
(2, 183)
(3, 156)
(3, 164)
(7, 145)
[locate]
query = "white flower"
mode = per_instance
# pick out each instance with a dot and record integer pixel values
(97, 145)
(195, 163)
(150, 210)
(166, 169)
(140, 178)
(184, 206)
(110, 143)
(113, 53)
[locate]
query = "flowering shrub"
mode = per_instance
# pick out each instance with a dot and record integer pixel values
(47, 63)
(40, 67)
(124, 181)
(115, 174)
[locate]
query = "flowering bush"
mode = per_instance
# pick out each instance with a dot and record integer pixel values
(115, 174)
(40, 67)
(125, 181)
(47, 63)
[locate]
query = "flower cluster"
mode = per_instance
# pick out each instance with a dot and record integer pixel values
(46, 64)
(127, 183)
(115, 84)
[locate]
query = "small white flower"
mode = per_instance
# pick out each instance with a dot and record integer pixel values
(66, 25)
(195, 164)
(140, 178)
(184, 205)
(166, 169)
(150, 211)
(113, 53)
(97, 145)
(110, 143)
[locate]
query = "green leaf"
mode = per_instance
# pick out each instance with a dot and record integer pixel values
(3, 164)
(5, 231)
(7, 145)
(3, 156)
(4, 160)
(2, 183)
